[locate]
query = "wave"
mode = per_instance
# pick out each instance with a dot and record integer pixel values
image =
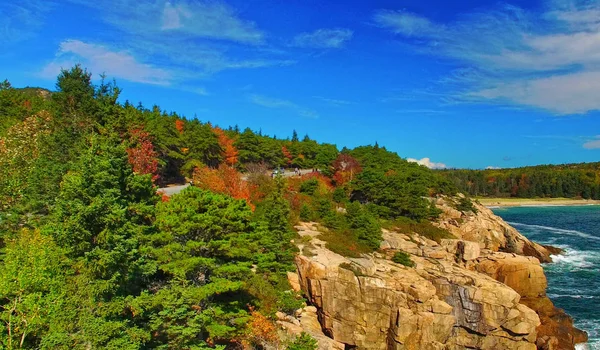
(556, 230)
(577, 296)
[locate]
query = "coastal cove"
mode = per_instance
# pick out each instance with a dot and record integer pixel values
(573, 277)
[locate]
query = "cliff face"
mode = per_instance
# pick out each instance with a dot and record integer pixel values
(483, 291)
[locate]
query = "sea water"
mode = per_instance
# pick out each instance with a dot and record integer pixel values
(574, 277)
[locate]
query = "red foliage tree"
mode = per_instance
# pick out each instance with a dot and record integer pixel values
(142, 156)
(287, 155)
(229, 151)
(179, 125)
(345, 167)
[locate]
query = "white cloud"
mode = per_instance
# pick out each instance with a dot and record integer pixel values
(428, 163)
(593, 144)
(98, 58)
(491, 167)
(324, 38)
(185, 41)
(548, 60)
(276, 103)
(195, 19)
(401, 22)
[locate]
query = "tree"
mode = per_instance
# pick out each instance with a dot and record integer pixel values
(100, 214)
(346, 168)
(205, 247)
(229, 152)
(248, 146)
(32, 289)
(5, 85)
(141, 154)
(224, 180)
(294, 136)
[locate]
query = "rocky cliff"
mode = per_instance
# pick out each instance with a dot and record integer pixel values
(483, 290)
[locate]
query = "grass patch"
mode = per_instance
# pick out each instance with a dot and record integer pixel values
(423, 228)
(345, 243)
(403, 258)
(356, 271)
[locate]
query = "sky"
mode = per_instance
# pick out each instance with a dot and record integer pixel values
(458, 84)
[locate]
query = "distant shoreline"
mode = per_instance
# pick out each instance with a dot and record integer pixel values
(535, 202)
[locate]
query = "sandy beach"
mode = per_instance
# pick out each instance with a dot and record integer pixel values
(535, 202)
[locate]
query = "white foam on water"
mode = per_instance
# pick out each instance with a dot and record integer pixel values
(576, 258)
(576, 296)
(556, 230)
(582, 346)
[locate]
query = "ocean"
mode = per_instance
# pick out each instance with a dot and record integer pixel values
(573, 278)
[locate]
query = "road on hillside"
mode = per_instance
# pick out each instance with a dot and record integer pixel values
(171, 190)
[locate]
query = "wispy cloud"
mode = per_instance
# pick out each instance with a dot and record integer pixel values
(422, 111)
(101, 59)
(324, 38)
(199, 19)
(547, 59)
(592, 144)
(20, 20)
(428, 163)
(491, 167)
(184, 40)
(270, 102)
(333, 101)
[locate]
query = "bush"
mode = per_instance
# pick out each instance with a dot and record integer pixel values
(303, 342)
(290, 301)
(403, 258)
(306, 213)
(340, 195)
(309, 186)
(465, 205)
(364, 224)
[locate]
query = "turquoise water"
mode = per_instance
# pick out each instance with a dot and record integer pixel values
(573, 278)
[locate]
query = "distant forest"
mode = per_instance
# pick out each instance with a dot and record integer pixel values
(567, 180)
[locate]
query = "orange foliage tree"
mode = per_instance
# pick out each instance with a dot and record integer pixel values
(142, 156)
(345, 167)
(224, 180)
(179, 125)
(262, 331)
(229, 151)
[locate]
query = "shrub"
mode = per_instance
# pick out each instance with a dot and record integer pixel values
(465, 205)
(306, 213)
(309, 186)
(340, 195)
(290, 301)
(403, 258)
(364, 225)
(303, 342)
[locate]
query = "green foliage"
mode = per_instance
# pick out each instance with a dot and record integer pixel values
(423, 228)
(307, 213)
(340, 195)
(403, 258)
(542, 181)
(364, 225)
(309, 186)
(32, 289)
(465, 205)
(303, 342)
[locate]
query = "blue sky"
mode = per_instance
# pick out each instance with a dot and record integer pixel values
(449, 83)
